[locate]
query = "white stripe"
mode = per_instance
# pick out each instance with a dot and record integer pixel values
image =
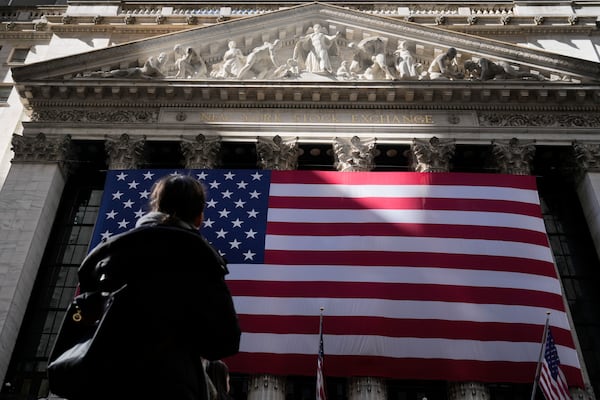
(401, 309)
(474, 218)
(404, 191)
(456, 349)
(400, 274)
(410, 244)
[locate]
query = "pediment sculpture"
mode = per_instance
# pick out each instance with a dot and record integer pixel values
(321, 55)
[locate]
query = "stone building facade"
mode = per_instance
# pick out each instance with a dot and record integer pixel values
(505, 87)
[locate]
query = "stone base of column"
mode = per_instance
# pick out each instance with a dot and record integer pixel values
(367, 388)
(468, 391)
(266, 387)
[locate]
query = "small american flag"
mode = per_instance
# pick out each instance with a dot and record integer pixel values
(552, 380)
(424, 276)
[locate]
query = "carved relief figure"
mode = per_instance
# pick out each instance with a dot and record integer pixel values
(233, 61)
(189, 64)
(314, 50)
(406, 63)
(368, 52)
(262, 60)
(152, 68)
(444, 66)
(484, 69)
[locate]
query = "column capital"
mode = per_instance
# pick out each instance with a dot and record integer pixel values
(468, 391)
(432, 155)
(124, 152)
(201, 151)
(514, 156)
(587, 156)
(278, 153)
(366, 388)
(43, 149)
(266, 387)
(354, 154)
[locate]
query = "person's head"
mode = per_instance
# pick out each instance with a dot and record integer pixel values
(451, 52)
(218, 372)
(179, 196)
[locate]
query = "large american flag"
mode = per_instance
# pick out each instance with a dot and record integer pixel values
(441, 276)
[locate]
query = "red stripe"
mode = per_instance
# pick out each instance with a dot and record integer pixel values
(413, 368)
(413, 259)
(403, 178)
(417, 328)
(381, 203)
(397, 291)
(413, 230)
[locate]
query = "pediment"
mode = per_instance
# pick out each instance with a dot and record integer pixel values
(354, 48)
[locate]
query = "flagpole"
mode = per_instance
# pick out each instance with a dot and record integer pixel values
(539, 363)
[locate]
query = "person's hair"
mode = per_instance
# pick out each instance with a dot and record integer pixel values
(217, 372)
(179, 196)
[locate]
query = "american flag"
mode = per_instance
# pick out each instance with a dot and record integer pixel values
(552, 380)
(443, 276)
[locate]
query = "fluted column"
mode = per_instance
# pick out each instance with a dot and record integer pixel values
(29, 200)
(432, 155)
(201, 152)
(514, 156)
(276, 154)
(124, 152)
(354, 154)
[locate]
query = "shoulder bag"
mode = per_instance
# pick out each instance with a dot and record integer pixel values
(81, 358)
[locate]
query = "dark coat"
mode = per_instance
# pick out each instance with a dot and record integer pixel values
(178, 309)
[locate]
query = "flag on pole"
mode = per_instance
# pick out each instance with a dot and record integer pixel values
(320, 380)
(443, 276)
(552, 380)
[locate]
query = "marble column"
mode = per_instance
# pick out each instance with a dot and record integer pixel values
(278, 153)
(124, 152)
(356, 154)
(201, 152)
(29, 201)
(432, 155)
(275, 153)
(514, 156)
(587, 156)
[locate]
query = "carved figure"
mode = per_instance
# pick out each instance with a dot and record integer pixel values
(343, 71)
(233, 61)
(314, 49)
(484, 69)
(406, 63)
(288, 70)
(262, 60)
(378, 70)
(190, 65)
(367, 52)
(151, 69)
(444, 66)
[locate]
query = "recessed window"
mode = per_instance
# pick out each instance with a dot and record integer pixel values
(18, 55)
(5, 93)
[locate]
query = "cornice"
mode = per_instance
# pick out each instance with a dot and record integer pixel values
(495, 95)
